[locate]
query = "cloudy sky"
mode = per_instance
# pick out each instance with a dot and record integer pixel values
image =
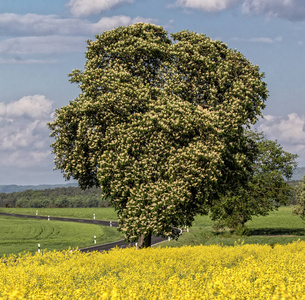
(42, 41)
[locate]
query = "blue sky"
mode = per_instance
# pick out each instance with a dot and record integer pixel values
(42, 41)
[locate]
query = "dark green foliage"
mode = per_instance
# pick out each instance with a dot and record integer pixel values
(58, 197)
(264, 189)
(300, 198)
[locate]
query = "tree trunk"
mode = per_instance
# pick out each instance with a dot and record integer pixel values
(144, 241)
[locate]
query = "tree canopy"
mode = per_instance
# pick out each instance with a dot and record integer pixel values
(265, 189)
(159, 125)
(300, 197)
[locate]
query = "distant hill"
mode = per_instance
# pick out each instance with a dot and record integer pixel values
(298, 173)
(20, 188)
(62, 196)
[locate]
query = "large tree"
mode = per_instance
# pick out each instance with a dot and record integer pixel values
(159, 125)
(265, 188)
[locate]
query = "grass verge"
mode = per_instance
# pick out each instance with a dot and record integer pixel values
(101, 213)
(279, 227)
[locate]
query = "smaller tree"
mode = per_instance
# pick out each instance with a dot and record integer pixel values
(300, 197)
(265, 189)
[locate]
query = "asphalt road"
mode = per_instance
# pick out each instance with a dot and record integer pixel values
(105, 247)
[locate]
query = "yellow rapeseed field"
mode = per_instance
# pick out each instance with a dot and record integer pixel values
(201, 272)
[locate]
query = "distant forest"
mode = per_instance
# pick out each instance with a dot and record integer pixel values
(58, 197)
(67, 197)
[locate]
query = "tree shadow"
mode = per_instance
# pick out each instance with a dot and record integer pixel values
(278, 231)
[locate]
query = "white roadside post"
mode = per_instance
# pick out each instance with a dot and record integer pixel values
(36, 212)
(136, 244)
(187, 229)
(95, 239)
(48, 218)
(169, 238)
(38, 248)
(110, 224)
(93, 216)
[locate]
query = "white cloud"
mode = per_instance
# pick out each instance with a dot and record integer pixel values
(34, 107)
(25, 150)
(109, 23)
(267, 40)
(24, 135)
(208, 5)
(18, 61)
(32, 24)
(26, 159)
(262, 40)
(50, 35)
(293, 10)
(92, 7)
(44, 45)
(289, 131)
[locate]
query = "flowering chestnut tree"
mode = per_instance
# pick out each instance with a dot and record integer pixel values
(159, 125)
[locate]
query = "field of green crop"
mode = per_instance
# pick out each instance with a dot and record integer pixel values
(18, 234)
(101, 213)
(280, 227)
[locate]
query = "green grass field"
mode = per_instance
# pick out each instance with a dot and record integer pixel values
(19, 234)
(280, 227)
(101, 213)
